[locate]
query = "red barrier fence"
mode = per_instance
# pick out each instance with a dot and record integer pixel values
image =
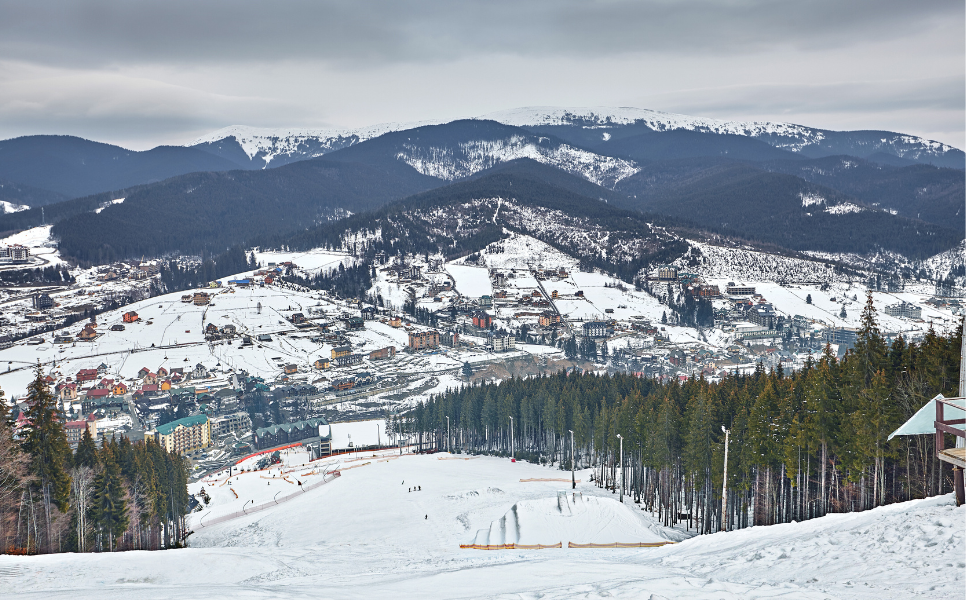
(510, 546)
(620, 545)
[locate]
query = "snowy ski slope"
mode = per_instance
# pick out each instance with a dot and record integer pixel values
(365, 535)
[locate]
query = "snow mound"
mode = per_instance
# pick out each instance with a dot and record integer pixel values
(570, 517)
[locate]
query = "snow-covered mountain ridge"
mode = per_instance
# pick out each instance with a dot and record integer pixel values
(472, 157)
(269, 143)
(296, 143)
(601, 117)
(788, 136)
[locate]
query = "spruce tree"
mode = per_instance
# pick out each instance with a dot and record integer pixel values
(46, 443)
(4, 411)
(86, 454)
(110, 504)
(870, 349)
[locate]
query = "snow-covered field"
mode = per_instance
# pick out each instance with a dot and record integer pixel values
(366, 535)
(471, 281)
(315, 260)
(43, 250)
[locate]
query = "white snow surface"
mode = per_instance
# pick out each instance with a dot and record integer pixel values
(475, 156)
(109, 203)
(845, 208)
(606, 116)
(366, 535)
(810, 199)
(9, 207)
(35, 237)
(272, 142)
(42, 247)
(470, 281)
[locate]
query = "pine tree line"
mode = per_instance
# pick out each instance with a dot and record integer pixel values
(121, 496)
(801, 445)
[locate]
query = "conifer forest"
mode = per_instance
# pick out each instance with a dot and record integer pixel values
(801, 444)
(120, 496)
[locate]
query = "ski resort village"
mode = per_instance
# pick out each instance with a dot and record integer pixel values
(321, 460)
(270, 346)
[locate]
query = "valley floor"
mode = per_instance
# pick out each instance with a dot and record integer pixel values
(365, 535)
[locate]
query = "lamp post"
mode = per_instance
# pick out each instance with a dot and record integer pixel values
(512, 453)
(622, 466)
(573, 477)
(447, 433)
(724, 485)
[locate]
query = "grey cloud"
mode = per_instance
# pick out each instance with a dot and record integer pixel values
(939, 94)
(146, 72)
(98, 32)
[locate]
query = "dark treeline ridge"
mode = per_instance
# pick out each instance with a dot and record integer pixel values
(59, 275)
(737, 199)
(352, 282)
(121, 496)
(801, 445)
(209, 212)
(52, 213)
(175, 277)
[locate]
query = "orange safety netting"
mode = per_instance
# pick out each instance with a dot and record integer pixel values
(234, 492)
(620, 545)
(510, 546)
(539, 479)
(356, 466)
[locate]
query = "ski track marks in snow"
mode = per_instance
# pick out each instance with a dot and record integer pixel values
(366, 536)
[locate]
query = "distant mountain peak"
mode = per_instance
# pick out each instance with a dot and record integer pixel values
(787, 136)
(604, 116)
(269, 142)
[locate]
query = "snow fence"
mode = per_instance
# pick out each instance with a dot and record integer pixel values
(510, 546)
(202, 522)
(560, 545)
(620, 545)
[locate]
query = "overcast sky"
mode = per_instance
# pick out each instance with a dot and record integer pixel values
(143, 73)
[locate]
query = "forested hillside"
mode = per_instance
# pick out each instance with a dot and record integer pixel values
(801, 445)
(739, 199)
(464, 217)
(74, 167)
(210, 212)
(923, 192)
(18, 193)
